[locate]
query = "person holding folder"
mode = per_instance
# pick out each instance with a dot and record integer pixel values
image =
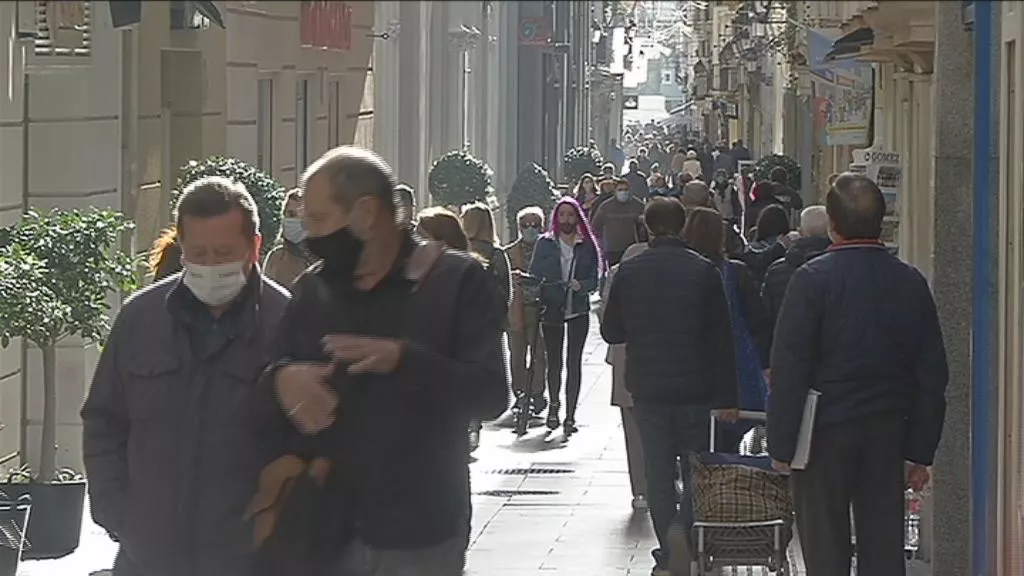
(860, 327)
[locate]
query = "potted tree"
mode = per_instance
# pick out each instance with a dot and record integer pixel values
(532, 187)
(582, 160)
(267, 192)
(61, 269)
(459, 178)
(764, 167)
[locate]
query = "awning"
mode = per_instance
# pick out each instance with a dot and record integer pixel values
(850, 44)
(128, 12)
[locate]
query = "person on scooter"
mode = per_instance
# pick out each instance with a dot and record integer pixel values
(524, 337)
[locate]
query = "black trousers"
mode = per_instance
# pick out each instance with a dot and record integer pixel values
(573, 335)
(858, 463)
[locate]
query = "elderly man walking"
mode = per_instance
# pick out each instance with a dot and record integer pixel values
(170, 459)
(813, 242)
(859, 326)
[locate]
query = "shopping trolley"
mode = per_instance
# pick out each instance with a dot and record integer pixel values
(762, 541)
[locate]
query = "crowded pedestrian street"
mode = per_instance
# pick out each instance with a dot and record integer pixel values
(542, 506)
(481, 288)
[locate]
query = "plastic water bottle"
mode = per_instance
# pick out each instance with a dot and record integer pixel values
(911, 521)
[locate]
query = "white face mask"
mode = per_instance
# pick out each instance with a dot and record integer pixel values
(215, 285)
(293, 230)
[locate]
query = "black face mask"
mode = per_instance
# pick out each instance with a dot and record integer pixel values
(340, 250)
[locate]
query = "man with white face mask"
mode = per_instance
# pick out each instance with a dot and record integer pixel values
(170, 461)
(615, 222)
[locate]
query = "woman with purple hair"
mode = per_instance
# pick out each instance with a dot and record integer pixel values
(566, 261)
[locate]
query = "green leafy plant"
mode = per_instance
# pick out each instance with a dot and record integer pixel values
(764, 167)
(582, 160)
(266, 192)
(459, 178)
(532, 187)
(57, 271)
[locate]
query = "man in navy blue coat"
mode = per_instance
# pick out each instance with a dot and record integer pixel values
(860, 326)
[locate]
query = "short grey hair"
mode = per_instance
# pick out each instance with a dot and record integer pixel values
(353, 173)
(814, 221)
(215, 196)
(530, 211)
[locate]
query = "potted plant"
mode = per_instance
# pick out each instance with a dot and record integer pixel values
(266, 192)
(764, 167)
(582, 160)
(532, 187)
(59, 270)
(459, 178)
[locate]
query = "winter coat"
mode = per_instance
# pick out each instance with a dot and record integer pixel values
(547, 266)
(776, 279)
(616, 353)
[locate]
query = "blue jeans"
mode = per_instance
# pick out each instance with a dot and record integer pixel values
(669, 432)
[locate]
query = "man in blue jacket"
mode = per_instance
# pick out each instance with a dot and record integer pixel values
(859, 326)
(668, 306)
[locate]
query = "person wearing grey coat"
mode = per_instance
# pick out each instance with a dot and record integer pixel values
(170, 452)
(616, 356)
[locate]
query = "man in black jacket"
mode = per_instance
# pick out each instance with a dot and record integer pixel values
(386, 352)
(813, 242)
(859, 326)
(668, 306)
(637, 180)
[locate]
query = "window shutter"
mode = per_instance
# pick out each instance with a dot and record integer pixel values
(64, 28)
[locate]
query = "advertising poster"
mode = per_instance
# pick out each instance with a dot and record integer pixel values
(844, 94)
(886, 169)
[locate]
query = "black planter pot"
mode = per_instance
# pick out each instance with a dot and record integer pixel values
(14, 518)
(56, 525)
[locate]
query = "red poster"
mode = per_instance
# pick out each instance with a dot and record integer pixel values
(325, 24)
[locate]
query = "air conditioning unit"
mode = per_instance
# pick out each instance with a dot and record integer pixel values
(28, 19)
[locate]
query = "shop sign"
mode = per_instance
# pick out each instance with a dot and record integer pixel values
(324, 24)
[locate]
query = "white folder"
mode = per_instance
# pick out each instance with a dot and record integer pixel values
(803, 439)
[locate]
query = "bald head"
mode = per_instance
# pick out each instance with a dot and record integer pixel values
(855, 207)
(696, 194)
(352, 173)
(814, 222)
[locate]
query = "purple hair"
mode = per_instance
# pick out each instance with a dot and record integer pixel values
(583, 226)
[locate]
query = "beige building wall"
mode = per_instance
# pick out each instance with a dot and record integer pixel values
(301, 127)
(11, 190)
